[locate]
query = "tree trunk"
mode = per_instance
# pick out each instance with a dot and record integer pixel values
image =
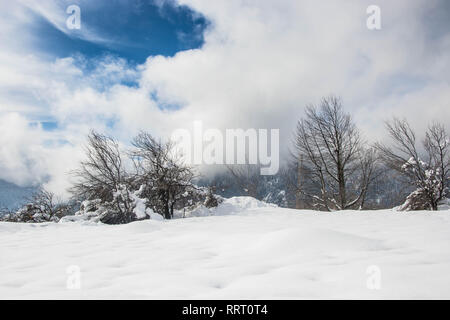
(299, 203)
(342, 195)
(171, 208)
(167, 210)
(434, 206)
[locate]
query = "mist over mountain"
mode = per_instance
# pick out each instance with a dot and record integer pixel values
(13, 196)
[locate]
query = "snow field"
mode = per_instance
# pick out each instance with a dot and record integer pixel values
(246, 249)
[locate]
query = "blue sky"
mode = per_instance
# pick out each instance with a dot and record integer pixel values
(133, 29)
(130, 30)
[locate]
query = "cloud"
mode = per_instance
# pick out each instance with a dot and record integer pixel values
(261, 63)
(21, 150)
(29, 156)
(54, 12)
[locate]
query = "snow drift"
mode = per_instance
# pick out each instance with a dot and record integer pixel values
(242, 249)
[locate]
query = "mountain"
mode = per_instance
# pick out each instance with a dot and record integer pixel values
(13, 196)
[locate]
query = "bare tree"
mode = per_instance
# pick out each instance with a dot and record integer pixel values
(102, 171)
(370, 171)
(333, 154)
(247, 177)
(427, 170)
(42, 206)
(102, 176)
(161, 171)
(49, 204)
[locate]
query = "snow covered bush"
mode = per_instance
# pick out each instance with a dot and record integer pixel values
(111, 194)
(197, 199)
(165, 178)
(41, 207)
(416, 200)
(126, 206)
(430, 177)
(121, 208)
(430, 188)
(103, 181)
(211, 200)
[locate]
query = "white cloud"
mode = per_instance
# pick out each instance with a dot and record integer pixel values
(21, 150)
(262, 61)
(29, 155)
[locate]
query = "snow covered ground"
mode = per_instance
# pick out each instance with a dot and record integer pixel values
(246, 250)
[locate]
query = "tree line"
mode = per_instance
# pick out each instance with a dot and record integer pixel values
(107, 190)
(331, 167)
(342, 166)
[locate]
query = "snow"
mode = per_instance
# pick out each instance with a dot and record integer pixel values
(140, 209)
(242, 249)
(229, 206)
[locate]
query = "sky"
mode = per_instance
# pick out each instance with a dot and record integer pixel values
(161, 65)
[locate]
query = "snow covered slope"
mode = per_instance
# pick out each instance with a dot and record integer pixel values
(247, 250)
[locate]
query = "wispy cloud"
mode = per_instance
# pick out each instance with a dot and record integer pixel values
(55, 13)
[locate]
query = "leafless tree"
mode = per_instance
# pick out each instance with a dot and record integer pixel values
(427, 170)
(333, 154)
(42, 206)
(102, 176)
(102, 171)
(48, 203)
(161, 170)
(247, 177)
